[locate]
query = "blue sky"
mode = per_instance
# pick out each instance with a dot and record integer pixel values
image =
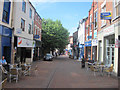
(69, 13)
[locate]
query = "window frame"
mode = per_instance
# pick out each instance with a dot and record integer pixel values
(23, 29)
(30, 29)
(95, 19)
(24, 7)
(30, 13)
(7, 15)
(116, 4)
(103, 22)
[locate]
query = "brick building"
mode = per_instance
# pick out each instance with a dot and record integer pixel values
(37, 36)
(90, 49)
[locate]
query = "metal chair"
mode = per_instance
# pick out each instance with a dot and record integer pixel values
(109, 70)
(13, 74)
(94, 69)
(26, 69)
(4, 83)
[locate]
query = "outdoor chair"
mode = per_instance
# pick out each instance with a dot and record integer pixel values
(3, 83)
(87, 65)
(13, 74)
(109, 70)
(26, 69)
(94, 69)
(4, 70)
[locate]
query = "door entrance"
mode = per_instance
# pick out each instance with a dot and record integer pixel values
(7, 53)
(110, 52)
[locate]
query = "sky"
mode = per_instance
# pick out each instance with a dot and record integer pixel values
(69, 13)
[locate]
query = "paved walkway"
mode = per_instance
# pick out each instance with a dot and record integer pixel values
(62, 73)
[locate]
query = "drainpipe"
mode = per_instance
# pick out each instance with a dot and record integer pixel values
(12, 42)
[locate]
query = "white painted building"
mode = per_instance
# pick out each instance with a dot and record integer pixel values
(81, 31)
(81, 37)
(23, 23)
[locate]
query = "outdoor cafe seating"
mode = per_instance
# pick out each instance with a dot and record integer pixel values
(16, 70)
(99, 67)
(13, 74)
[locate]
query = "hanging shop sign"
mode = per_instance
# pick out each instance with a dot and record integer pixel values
(95, 34)
(88, 43)
(117, 43)
(89, 37)
(106, 16)
(21, 42)
(94, 42)
(36, 36)
(81, 45)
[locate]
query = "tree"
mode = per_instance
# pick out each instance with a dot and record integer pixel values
(54, 35)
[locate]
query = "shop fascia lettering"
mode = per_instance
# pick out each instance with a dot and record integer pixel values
(21, 42)
(94, 42)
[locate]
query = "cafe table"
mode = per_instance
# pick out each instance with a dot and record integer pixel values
(101, 67)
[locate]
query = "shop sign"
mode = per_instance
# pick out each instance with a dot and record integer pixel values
(87, 44)
(117, 43)
(0, 30)
(94, 42)
(21, 42)
(89, 37)
(36, 36)
(109, 30)
(95, 34)
(18, 31)
(106, 16)
(81, 46)
(6, 31)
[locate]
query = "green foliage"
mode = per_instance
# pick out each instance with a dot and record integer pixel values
(54, 35)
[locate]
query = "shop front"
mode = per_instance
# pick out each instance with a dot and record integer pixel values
(88, 45)
(37, 52)
(23, 49)
(5, 43)
(94, 51)
(81, 51)
(109, 49)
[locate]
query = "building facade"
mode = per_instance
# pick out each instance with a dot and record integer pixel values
(69, 46)
(37, 36)
(81, 37)
(6, 29)
(102, 35)
(109, 35)
(91, 33)
(23, 23)
(75, 45)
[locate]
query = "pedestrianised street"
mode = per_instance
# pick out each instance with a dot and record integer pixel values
(63, 72)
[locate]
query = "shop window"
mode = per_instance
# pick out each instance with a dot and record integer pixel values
(6, 11)
(23, 24)
(28, 53)
(24, 6)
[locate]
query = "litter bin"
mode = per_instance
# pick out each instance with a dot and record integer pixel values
(83, 63)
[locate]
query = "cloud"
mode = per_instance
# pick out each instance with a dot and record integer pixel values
(72, 30)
